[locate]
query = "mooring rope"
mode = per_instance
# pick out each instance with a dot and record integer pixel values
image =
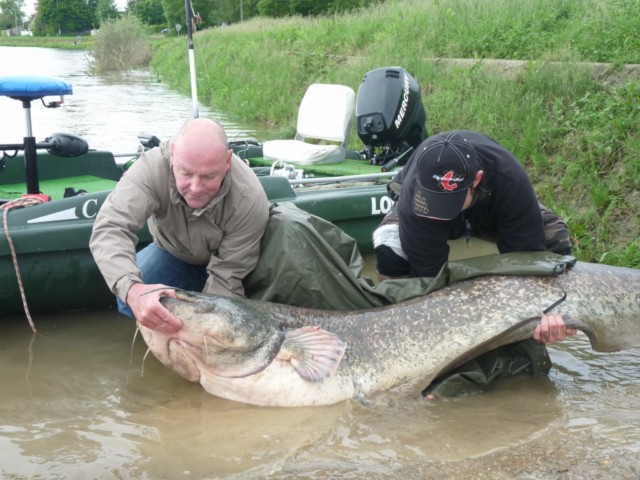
(25, 201)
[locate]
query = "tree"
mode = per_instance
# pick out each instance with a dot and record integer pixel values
(150, 12)
(346, 5)
(232, 11)
(282, 8)
(273, 8)
(310, 7)
(63, 17)
(175, 12)
(202, 8)
(106, 9)
(11, 13)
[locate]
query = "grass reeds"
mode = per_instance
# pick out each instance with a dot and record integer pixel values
(576, 130)
(120, 45)
(577, 135)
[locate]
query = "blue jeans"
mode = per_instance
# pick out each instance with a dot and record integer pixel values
(159, 266)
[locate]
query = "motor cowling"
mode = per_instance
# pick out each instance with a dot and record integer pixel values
(66, 145)
(390, 116)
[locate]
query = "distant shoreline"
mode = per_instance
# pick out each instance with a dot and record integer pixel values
(67, 43)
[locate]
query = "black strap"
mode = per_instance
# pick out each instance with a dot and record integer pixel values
(557, 302)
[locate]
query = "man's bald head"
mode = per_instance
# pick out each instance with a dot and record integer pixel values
(200, 159)
(201, 128)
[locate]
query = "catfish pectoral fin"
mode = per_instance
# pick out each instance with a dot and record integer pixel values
(313, 353)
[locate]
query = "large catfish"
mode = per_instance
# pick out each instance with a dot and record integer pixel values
(270, 354)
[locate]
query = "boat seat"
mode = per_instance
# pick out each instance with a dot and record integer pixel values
(29, 87)
(326, 113)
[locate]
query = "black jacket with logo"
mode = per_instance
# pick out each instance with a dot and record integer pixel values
(508, 213)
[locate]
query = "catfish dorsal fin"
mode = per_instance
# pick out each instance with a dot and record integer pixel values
(313, 353)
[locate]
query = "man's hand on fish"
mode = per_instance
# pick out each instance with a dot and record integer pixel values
(144, 301)
(552, 329)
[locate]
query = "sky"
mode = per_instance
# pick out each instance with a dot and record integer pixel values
(30, 6)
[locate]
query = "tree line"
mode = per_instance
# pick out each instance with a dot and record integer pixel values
(224, 12)
(78, 17)
(58, 17)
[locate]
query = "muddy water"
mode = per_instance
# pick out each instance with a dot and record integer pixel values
(79, 401)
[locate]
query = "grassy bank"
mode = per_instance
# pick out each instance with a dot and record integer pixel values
(577, 136)
(68, 43)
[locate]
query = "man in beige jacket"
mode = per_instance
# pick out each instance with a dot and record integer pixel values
(206, 211)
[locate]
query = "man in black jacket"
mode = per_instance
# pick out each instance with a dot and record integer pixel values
(463, 183)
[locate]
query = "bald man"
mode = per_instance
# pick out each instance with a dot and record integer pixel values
(206, 211)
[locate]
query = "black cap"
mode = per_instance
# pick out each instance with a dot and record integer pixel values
(445, 170)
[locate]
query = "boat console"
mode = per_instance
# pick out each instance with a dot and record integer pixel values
(26, 89)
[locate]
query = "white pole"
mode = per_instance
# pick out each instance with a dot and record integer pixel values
(192, 60)
(194, 85)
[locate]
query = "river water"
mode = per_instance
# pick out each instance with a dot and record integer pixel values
(78, 400)
(108, 112)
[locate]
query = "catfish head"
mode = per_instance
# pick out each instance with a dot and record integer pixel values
(225, 337)
(215, 336)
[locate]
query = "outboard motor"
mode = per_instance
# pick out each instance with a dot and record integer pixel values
(66, 145)
(390, 116)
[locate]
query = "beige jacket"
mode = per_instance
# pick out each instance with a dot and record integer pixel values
(224, 235)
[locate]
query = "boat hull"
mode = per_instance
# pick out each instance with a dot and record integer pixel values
(51, 240)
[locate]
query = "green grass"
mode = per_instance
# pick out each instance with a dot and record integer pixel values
(577, 135)
(67, 43)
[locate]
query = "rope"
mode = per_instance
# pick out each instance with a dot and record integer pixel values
(25, 201)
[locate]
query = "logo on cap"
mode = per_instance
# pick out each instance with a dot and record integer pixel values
(449, 181)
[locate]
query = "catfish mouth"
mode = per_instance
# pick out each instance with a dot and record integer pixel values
(209, 353)
(169, 353)
(232, 345)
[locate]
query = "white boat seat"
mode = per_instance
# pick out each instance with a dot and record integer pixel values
(326, 113)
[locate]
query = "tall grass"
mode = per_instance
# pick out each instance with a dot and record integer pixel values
(120, 45)
(577, 135)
